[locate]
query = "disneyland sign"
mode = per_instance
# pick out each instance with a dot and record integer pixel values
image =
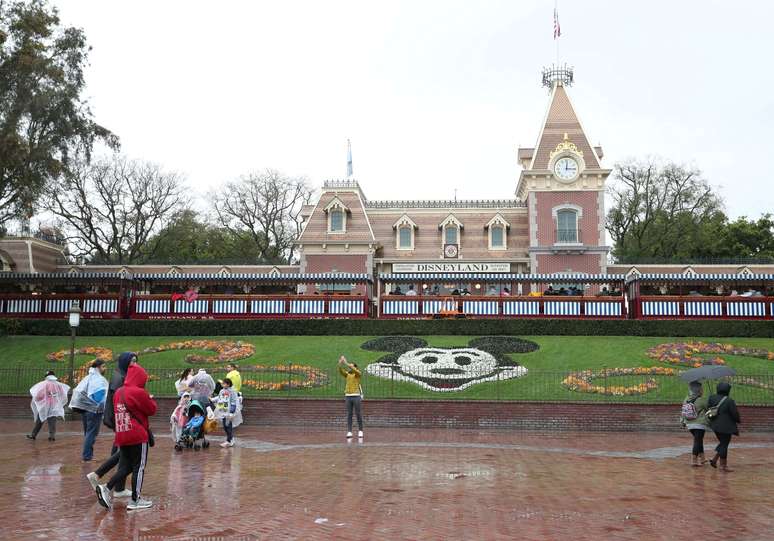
(450, 267)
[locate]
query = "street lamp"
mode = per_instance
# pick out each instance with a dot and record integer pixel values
(75, 320)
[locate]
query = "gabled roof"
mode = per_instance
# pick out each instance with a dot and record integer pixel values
(450, 220)
(497, 219)
(336, 203)
(560, 120)
(405, 220)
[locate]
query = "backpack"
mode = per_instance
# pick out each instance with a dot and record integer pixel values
(688, 411)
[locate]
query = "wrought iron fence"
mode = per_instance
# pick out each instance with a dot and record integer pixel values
(384, 381)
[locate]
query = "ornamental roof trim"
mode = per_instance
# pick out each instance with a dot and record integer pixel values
(443, 204)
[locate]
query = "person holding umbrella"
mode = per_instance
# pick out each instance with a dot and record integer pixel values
(724, 423)
(694, 418)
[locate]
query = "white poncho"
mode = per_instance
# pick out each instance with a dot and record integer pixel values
(48, 398)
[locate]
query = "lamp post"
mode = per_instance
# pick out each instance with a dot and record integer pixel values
(75, 320)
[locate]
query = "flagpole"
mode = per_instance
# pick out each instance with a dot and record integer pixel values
(556, 37)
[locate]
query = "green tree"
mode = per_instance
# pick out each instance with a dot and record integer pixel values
(662, 211)
(745, 238)
(190, 241)
(45, 123)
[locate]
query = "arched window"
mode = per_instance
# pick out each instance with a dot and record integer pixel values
(498, 236)
(404, 237)
(566, 226)
(451, 234)
(337, 220)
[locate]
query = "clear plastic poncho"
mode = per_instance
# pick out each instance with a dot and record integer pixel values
(90, 393)
(223, 406)
(48, 398)
(202, 386)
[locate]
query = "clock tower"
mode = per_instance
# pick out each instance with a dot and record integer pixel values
(563, 184)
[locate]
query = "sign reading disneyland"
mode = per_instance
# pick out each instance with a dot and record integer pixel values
(450, 267)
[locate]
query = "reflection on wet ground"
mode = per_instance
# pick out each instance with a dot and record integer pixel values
(397, 484)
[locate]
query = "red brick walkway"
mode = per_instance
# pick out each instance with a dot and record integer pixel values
(397, 484)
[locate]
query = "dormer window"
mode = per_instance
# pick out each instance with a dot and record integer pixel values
(497, 228)
(337, 221)
(337, 216)
(450, 228)
(404, 233)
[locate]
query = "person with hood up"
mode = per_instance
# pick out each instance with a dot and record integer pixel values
(48, 401)
(202, 387)
(133, 405)
(89, 400)
(724, 424)
(125, 359)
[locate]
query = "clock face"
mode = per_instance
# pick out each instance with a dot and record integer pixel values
(566, 168)
(450, 250)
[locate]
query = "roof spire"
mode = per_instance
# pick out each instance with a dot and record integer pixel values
(349, 159)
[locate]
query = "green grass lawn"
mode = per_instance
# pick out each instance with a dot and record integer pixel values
(23, 362)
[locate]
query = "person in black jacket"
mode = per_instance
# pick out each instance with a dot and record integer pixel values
(724, 424)
(109, 420)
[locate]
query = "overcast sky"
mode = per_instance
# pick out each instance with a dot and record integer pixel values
(434, 95)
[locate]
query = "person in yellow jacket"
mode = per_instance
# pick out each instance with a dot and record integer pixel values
(353, 394)
(234, 376)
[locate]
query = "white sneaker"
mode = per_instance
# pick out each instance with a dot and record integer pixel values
(349, 434)
(93, 480)
(103, 496)
(126, 493)
(224, 444)
(360, 434)
(139, 504)
(230, 443)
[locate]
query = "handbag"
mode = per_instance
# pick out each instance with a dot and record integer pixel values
(210, 425)
(713, 411)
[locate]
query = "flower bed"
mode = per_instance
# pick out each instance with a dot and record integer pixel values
(102, 354)
(227, 350)
(295, 376)
(581, 381)
(693, 354)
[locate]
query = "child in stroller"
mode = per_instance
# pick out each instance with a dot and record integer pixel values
(193, 431)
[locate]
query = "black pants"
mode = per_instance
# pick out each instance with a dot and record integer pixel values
(109, 464)
(722, 448)
(133, 459)
(698, 441)
(39, 424)
(353, 403)
(228, 426)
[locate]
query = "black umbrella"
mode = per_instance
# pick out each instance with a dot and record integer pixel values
(710, 371)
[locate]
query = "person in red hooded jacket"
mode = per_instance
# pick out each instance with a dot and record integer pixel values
(133, 405)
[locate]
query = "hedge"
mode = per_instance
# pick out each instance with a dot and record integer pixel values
(375, 327)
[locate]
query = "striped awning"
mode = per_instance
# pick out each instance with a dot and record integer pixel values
(69, 277)
(268, 278)
(502, 277)
(722, 277)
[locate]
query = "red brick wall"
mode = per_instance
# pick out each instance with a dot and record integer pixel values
(457, 414)
(550, 263)
(342, 263)
(588, 224)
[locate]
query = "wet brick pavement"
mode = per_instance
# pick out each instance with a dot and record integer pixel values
(397, 484)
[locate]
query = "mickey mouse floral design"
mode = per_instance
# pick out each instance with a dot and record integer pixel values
(448, 369)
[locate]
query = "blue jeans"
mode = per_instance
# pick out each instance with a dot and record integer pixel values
(91, 424)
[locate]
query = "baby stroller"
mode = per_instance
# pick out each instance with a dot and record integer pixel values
(193, 432)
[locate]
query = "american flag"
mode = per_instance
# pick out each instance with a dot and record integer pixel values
(557, 28)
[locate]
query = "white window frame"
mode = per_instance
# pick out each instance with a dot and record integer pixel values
(578, 210)
(497, 221)
(336, 205)
(403, 223)
(449, 222)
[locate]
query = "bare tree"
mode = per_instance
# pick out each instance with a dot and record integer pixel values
(109, 209)
(266, 208)
(658, 208)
